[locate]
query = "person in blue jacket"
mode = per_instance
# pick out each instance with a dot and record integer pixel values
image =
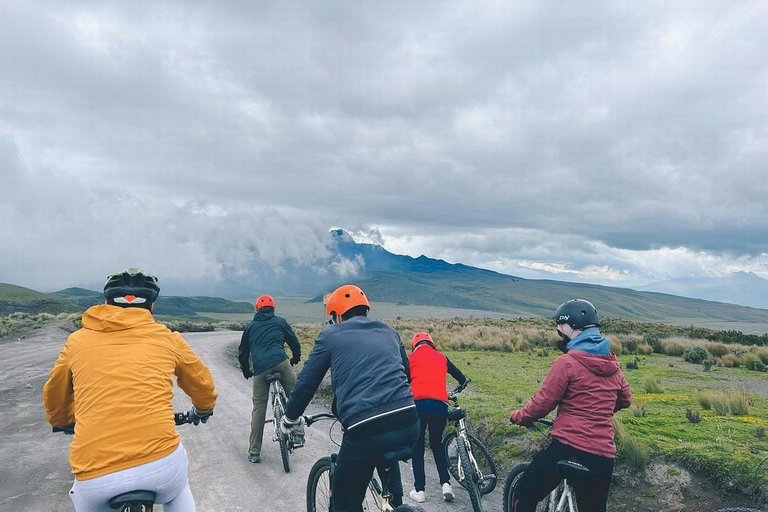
(373, 399)
(263, 344)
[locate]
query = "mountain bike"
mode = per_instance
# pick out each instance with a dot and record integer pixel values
(562, 497)
(132, 501)
(279, 399)
(378, 496)
(469, 461)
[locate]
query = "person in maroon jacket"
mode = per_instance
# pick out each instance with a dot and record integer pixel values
(587, 387)
(428, 369)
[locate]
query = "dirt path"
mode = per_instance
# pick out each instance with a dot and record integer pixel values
(35, 473)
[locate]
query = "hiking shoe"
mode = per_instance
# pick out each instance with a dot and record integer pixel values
(254, 457)
(418, 496)
(447, 492)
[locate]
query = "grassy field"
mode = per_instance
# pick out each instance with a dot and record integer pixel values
(298, 310)
(508, 359)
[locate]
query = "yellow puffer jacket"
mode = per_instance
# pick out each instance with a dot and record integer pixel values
(115, 377)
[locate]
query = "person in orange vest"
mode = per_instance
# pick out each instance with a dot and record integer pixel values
(428, 383)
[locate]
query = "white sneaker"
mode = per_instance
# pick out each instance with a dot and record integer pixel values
(418, 496)
(447, 492)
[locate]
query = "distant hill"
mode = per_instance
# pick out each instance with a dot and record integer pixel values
(70, 300)
(396, 278)
(743, 288)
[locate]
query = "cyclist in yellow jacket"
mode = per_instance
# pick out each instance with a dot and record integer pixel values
(114, 379)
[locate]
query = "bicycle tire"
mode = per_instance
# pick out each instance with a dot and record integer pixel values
(510, 489)
(470, 479)
(285, 453)
(319, 486)
(482, 457)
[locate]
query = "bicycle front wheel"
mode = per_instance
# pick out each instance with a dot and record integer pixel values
(469, 480)
(510, 490)
(486, 466)
(277, 410)
(319, 486)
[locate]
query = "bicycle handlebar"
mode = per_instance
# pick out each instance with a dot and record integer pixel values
(310, 419)
(179, 418)
(458, 389)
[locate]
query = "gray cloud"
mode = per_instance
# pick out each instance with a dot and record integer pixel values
(580, 135)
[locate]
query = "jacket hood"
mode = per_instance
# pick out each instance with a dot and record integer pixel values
(264, 314)
(590, 340)
(107, 318)
(600, 365)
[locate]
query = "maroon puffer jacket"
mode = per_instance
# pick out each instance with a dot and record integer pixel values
(586, 389)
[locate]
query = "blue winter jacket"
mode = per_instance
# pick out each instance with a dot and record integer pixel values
(263, 340)
(369, 372)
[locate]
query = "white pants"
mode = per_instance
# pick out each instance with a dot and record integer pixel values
(167, 477)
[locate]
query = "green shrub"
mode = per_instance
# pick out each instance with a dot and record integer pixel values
(695, 355)
(630, 343)
(651, 385)
(752, 362)
(633, 365)
(638, 410)
(707, 364)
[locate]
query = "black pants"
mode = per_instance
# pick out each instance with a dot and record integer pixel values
(541, 477)
(357, 459)
(433, 415)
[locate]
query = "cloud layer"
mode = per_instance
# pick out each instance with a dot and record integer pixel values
(599, 141)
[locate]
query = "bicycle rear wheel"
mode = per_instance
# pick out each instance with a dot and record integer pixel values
(319, 486)
(285, 453)
(481, 455)
(469, 482)
(510, 490)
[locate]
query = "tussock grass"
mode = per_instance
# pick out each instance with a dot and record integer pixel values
(630, 448)
(724, 403)
(651, 385)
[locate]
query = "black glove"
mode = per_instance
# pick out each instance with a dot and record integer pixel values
(295, 360)
(247, 373)
(196, 417)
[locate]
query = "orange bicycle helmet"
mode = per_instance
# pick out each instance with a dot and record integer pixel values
(265, 301)
(345, 298)
(419, 337)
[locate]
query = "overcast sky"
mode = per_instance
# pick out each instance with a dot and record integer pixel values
(610, 142)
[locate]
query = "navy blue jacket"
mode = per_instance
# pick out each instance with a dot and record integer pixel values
(369, 372)
(263, 341)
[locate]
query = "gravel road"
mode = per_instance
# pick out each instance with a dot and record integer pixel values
(35, 474)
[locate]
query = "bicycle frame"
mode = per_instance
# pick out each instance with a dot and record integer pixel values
(276, 392)
(460, 426)
(380, 493)
(566, 497)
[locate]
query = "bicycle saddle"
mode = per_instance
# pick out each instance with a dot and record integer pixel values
(456, 414)
(402, 454)
(272, 376)
(143, 497)
(572, 470)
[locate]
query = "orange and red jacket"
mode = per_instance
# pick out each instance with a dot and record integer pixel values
(428, 369)
(114, 378)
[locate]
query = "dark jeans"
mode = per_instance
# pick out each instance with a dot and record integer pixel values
(541, 477)
(433, 415)
(357, 459)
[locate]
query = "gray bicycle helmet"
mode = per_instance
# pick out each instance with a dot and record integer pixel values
(131, 287)
(578, 313)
